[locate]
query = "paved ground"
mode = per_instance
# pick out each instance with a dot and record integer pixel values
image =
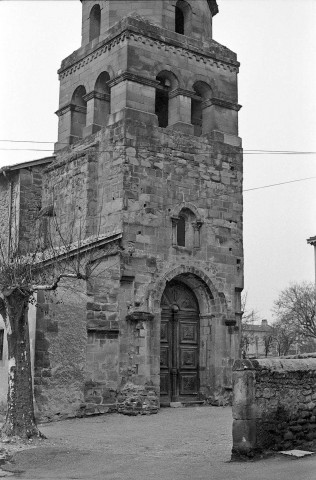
(183, 443)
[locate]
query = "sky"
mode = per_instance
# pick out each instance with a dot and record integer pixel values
(275, 41)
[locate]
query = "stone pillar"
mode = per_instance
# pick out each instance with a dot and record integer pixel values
(98, 110)
(64, 125)
(244, 409)
(180, 111)
(72, 120)
(220, 115)
(134, 94)
(196, 228)
(174, 221)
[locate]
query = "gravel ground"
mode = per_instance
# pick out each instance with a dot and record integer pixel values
(183, 443)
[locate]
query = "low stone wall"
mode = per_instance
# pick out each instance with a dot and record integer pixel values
(274, 404)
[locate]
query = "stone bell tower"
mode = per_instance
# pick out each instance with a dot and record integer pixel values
(148, 147)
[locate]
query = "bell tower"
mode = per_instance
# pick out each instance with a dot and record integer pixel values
(148, 146)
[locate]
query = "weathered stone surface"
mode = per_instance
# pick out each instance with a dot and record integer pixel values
(277, 400)
(137, 400)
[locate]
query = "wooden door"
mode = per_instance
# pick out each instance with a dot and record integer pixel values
(179, 344)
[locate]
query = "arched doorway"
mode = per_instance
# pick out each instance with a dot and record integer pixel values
(179, 344)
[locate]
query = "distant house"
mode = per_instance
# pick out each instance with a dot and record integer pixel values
(257, 340)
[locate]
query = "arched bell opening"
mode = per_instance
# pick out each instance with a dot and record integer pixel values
(199, 114)
(102, 100)
(95, 22)
(167, 82)
(78, 113)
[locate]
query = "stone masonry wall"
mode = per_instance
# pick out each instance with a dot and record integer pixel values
(274, 404)
(60, 355)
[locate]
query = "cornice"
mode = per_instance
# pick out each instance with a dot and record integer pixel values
(134, 32)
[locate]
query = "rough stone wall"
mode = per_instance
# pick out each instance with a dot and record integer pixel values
(274, 404)
(30, 205)
(166, 170)
(60, 357)
(103, 329)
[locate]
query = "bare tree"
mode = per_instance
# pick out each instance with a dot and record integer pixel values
(297, 304)
(22, 274)
(285, 335)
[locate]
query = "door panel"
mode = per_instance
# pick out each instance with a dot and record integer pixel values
(179, 344)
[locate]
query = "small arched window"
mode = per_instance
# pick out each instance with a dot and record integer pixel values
(183, 17)
(186, 229)
(95, 22)
(179, 21)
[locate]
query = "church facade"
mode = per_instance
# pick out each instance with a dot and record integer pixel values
(147, 168)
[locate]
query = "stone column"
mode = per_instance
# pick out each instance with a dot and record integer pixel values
(221, 115)
(174, 221)
(196, 228)
(133, 96)
(180, 111)
(71, 124)
(98, 110)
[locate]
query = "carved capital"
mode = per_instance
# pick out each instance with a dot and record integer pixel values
(99, 96)
(133, 78)
(185, 93)
(70, 107)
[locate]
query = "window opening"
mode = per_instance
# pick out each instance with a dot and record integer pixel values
(162, 101)
(196, 116)
(95, 22)
(179, 21)
(79, 111)
(200, 116)
(181, 231)
(102, 101)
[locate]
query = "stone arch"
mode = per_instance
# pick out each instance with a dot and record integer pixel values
(78, 112)
(211, 301)
(199, 80)
(94, 22)
(167, 82)
(212, 308)
(190, 206)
